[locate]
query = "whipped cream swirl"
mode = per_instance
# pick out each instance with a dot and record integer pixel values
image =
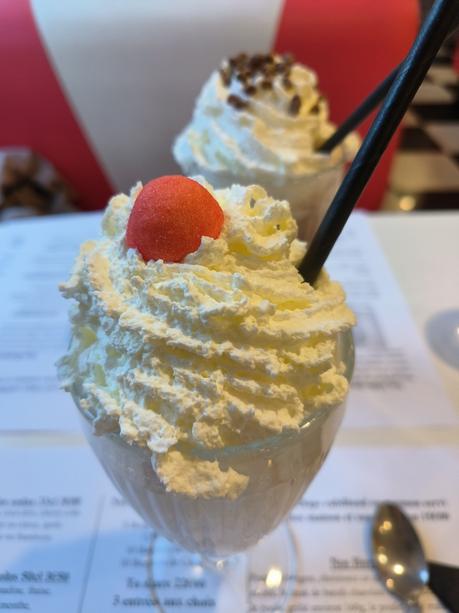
(227, 347)
(258, 132)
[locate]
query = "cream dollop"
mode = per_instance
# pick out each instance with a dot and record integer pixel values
(227, 347)
(262, 137)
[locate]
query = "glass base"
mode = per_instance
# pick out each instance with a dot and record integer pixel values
(260, 579)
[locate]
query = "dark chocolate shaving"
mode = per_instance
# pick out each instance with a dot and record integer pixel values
(225, 75)
(236, 102)
(250, 90)
(315, 109)
(259, 72)
(256, 61)
(242, 76)
(295, 105)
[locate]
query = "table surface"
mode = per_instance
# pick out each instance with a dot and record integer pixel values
(417, 245)
(423, 251)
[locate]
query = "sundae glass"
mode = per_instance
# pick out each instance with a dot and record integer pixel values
(210, 380)
(261, 119)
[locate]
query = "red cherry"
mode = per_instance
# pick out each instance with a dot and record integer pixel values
(170, 216)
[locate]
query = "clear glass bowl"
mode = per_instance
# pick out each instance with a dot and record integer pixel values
(280, 469)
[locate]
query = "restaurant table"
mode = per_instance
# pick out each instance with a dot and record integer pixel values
(422, 249)
(423, 252)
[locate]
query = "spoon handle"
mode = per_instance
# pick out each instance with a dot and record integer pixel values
(444, 583)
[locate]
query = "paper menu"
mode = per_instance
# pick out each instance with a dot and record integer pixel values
(395, 384)
(35, 256)
(48, 507)
(72, 545)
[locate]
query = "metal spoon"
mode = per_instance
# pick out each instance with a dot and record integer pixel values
(398, 555)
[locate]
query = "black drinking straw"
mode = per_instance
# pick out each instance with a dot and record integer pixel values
(360, 113)
(364, 109)
(412, 71)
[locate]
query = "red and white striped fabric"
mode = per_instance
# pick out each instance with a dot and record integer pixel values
(101, 87)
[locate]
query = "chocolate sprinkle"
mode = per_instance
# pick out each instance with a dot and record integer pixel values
(242, 76)
(295, 105)
(256, 61)
(225, 75)
(315, 109)
(236, 102)
(257, 73)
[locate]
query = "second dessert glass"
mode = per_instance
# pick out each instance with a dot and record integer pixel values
(280, 468)
(261, 119)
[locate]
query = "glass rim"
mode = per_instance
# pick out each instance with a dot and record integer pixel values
(346, 348)
(247, 178)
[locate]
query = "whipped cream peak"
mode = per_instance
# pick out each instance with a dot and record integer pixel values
(259, 118)
(227, 347)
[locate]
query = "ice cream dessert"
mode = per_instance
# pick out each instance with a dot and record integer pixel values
(260, 119)
(193, 332)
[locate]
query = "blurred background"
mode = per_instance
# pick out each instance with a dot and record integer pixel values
(94, 92)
